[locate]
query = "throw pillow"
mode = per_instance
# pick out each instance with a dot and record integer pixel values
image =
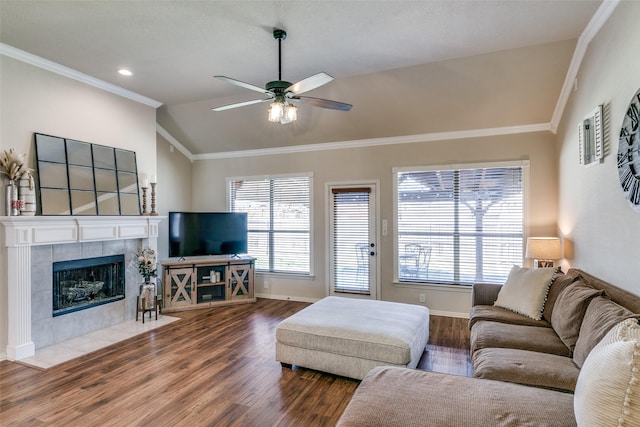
(608, 387)
(558, 284)
(569, 310)
(602, 314)
(525, 291)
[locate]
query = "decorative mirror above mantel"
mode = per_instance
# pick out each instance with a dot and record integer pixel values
(79, 178)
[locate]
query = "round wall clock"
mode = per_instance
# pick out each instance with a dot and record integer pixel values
(629, 153)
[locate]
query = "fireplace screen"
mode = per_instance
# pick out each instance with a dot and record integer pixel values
(87, 282)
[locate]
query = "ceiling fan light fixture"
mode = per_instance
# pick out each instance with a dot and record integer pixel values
(276, 111)
(281, 92)
(290, 112)
(282, 111)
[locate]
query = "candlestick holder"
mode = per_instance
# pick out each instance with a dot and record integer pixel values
(144, 201)
(153, 200)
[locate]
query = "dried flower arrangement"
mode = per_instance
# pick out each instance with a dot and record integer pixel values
(12, 165)
(147, 263)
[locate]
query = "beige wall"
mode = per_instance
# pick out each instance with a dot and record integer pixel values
(35, 100)
(376, 163)
(601, 230)
(174, 188)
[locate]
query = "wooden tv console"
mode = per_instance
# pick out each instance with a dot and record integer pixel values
(200, 282)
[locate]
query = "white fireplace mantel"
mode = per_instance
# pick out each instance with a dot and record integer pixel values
(23, 232)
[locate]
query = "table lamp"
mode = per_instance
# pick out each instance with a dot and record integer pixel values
(544, 250)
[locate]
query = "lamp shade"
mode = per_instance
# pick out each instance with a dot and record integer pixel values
(543, 248)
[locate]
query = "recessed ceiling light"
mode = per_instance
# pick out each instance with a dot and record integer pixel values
(124, 72)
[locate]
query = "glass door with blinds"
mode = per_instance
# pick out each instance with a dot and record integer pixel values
(352, 239)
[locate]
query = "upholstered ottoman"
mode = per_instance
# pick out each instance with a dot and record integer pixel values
(349, 337)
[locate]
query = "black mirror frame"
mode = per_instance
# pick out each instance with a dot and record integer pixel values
(91, 198)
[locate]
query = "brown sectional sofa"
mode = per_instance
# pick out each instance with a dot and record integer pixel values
(580, 309)
(392, 397)
(525, 370)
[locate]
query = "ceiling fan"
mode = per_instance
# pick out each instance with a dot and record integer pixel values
(283, 94)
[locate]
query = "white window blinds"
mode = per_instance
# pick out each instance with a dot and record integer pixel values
(279, 220)
(459, 226)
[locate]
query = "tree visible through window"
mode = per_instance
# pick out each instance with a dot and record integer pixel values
(459, 226)
(279, 221)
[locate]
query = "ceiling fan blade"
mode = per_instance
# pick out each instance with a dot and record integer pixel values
(241, 104)
(324, 103)
(310, 83)
(242, 84)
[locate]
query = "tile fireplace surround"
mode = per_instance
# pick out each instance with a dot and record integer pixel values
(34, 243)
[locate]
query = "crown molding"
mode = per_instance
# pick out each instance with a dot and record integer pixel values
(593, 27)
(54, 67)
(409, 139)
(184, 150)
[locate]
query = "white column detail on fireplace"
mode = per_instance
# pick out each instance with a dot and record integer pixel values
(23, 232)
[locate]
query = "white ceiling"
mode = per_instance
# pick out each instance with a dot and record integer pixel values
(175, 47)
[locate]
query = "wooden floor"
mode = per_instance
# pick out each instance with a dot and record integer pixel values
(214, 367)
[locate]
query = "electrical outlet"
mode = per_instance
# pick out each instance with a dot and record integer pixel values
(423, 298)
(266, 284)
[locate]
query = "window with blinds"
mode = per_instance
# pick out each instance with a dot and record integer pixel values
(351, 240)
(279, 220)
(459, 226)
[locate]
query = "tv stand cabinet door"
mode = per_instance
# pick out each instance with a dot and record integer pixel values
(180, 291)
(241, 281)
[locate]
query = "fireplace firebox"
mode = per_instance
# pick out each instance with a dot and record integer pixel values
(88, 282)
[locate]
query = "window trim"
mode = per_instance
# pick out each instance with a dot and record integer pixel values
(309, 175)
(524, 164)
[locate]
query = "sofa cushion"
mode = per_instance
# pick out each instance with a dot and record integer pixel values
(602, 314)
(626, 299)
(525, 291)
(499, 314)
(608, 388)
(412, 398)
(486, 334)
(526, 367)
(569, 310)
(558, 284)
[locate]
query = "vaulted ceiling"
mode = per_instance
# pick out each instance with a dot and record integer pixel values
(408, 67)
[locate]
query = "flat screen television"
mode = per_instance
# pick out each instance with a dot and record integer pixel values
(207, 233)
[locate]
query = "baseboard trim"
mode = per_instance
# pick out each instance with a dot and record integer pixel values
(449, 314)
(312, 300)
(287, 298)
